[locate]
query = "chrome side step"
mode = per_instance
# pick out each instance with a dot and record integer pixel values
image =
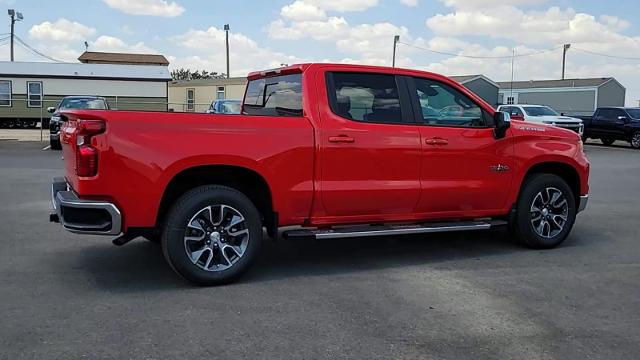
(387, 230)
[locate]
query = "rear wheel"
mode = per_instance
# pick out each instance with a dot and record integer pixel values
(607, 141)
(635, 140)
(212, 235)
(545, 212)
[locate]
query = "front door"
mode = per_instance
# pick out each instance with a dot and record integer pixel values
(370, 150)
(465, 171)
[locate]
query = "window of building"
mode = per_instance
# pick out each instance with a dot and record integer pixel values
(442, 105)
(510, 100)
(365, 97)
(5, 93)
(220, 93)
(34, 93)
(274, 96)
(191, 99)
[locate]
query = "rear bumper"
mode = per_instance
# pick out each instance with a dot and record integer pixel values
(83, 216)
(584, 199)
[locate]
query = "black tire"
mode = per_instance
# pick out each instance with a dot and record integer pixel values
(174, 244)
(55, 145)
(521, 225)
(607, 141)
(635, 140)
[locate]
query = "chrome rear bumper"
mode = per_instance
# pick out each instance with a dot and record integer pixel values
(83, 216)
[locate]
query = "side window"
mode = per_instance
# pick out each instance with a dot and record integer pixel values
(617, 113)
(442, 105)
(34, 94)
(365, 97)
(274, 96)
(191, 99)
(604, 114)
(5, 93)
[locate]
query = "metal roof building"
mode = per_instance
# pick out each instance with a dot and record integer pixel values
(481, 85)
(569, 96)
(28, 88)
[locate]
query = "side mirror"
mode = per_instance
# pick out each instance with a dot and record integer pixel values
(51, 109)
(502, 121)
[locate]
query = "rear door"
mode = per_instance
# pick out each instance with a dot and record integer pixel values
(465, 171)
(369, 147)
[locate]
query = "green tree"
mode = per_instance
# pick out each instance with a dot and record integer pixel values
(188, 74)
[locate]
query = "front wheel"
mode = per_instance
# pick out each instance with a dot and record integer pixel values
(545, 212)
(635, 140)
(212, 235)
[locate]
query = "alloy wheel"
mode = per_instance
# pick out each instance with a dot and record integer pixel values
(216, 237)
(549, 212)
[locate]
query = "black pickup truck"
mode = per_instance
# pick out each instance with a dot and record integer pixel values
(613, 123)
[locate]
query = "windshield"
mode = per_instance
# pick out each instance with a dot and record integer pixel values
(230, 107)
(83, 103)
(539, 111)
(634, 113)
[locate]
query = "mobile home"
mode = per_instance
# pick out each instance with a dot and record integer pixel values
(28, 88)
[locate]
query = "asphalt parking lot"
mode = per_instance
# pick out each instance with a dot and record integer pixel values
(451, 296)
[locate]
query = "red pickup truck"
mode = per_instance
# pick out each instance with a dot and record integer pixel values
(326, 150)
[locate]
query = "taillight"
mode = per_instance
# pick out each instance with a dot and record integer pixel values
(86, 154)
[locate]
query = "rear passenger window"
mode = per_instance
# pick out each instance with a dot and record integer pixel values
(442, 105)
(365, 97)
(274, 96)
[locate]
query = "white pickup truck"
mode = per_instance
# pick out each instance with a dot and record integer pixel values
(542, 115)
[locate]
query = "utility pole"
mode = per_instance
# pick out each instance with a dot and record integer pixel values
(15, 16)
(564, 57)
(395, 43)
(226, 29)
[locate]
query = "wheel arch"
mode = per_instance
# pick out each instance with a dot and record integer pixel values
(563, 170)
(247, 181)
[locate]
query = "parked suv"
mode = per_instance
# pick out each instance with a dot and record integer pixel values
(614, 123)
(542, 115)
(67, 103)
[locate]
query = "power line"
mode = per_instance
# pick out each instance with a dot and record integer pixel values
(481, 57)
(28, 47)
(606, 55)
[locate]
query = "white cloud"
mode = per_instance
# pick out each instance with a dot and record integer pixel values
(486, 4)
(113, 44)
(60, 30)
(302, 11)
(160, 8)
(343, 5)
(208, 52)
(410, 3)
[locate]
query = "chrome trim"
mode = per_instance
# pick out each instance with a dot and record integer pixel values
(584, 199)
(400, 230)
(63, 196)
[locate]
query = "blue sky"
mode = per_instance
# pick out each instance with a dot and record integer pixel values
(268, 33)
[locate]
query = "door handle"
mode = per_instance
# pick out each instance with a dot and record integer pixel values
(436, 141)
(341, 139)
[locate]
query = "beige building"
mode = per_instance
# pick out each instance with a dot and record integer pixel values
(197, 95)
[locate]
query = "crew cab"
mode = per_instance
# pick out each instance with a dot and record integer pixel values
(614, 123)
(320, 151)
(542, 114)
